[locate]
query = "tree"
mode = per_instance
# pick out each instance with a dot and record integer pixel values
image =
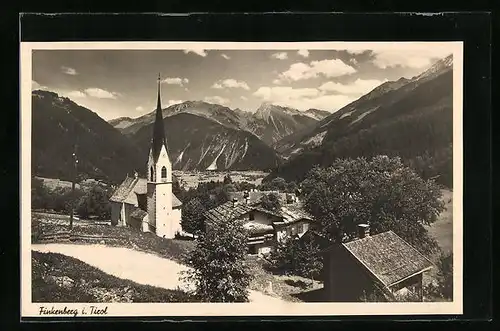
(192, 216)
(443, 289)
(227, 179)
(299, 257)
(381, 192)
(218, 270)
(271, 202)
(95, 203)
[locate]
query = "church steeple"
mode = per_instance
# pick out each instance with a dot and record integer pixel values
(159, 138)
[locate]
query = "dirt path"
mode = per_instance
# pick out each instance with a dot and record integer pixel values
(140, 267)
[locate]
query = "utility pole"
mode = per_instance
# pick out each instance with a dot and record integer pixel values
(75, 174)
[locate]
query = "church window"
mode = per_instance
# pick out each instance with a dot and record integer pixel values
(163, 173)
(152, 173)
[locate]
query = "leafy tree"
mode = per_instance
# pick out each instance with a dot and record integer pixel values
(192, 216)
(291, 187)
(218, 270)
(271, 202)
(95, 203)
(381, 192)
(444, 287)
(39, 194)
(227, 179)
(299, 257)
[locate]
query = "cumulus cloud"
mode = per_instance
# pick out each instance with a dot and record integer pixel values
(139, 108)
(174, 102)
(200, 52)
(244, 98)
(69, 71)
(217, 99)
(280, 56)
(358, 87)
(230, 83)
(36, 86)
(410, 58)
(303, 53)
(356, 51)
(175, 81)
(302, 98)
(96, 92)
(225, 56)
(75, 94)
(326, 68)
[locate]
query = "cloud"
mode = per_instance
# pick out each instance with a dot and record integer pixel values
(36, 86)
(217, 99)
(303, 53)
(244, 98)
(200, 52)
(96, 92)
(175, 81)
(139, 108)
(225, 56)
(414, 58)
(230, 83)
(356, 51)
(302, 98)
(326, 68)
(358, 87)
(174, 102)
(75, 94)
(69, 71)
(280, 56)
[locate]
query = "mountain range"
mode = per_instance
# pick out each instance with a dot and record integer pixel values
(411, 118)
(269, 122)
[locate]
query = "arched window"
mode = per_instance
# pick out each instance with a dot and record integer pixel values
(163, 173)
(152, 174)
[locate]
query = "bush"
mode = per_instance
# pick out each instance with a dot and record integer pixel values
(218, 270)
(299, 257)
(271, 202)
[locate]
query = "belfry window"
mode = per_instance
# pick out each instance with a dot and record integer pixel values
(151, 171)
(164, 173)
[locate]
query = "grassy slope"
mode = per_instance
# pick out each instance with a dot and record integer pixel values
(442, 229)
(89, 284)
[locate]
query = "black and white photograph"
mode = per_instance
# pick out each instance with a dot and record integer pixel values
(283, 178)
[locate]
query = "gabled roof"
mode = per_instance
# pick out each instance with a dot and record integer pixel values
(388, 257)
(228, 211)
(131, 187)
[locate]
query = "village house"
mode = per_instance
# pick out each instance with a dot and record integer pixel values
(383, 265)
(265, 226)
(148, 204)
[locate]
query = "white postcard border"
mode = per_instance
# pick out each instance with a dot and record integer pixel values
(30, 309)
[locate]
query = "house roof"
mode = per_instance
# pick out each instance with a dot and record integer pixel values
(388, 257)
(226, 211)
(131, 187)
(255, 196)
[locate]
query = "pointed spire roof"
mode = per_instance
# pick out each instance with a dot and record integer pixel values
(159, 138)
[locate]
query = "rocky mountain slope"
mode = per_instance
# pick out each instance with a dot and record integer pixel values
(196, 142)
(411, 118)
(103, 152)
(270, 122)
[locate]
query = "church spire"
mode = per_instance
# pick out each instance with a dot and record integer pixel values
(158, 131)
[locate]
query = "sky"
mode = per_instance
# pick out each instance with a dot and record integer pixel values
(116, 83)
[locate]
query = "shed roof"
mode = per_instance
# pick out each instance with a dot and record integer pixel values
(388, 257)
(131, 187)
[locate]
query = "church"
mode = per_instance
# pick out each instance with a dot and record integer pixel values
(148, 204)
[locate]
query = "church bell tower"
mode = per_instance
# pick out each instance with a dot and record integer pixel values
(159, 181)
